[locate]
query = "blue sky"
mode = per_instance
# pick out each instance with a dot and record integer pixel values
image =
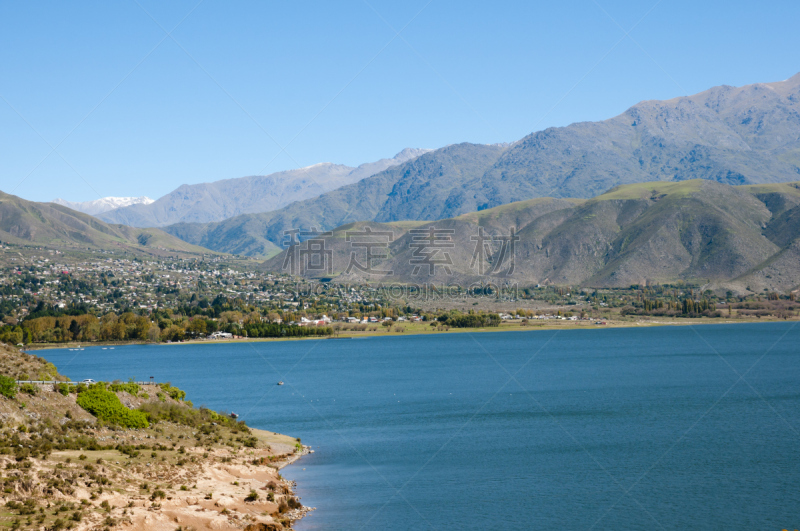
(251, 88)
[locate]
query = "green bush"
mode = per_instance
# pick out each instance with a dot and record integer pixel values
(8, 386)
(128, 387)
(173, 392)
(105, 405)
(63, 388)
(188, 416)
(29, 388)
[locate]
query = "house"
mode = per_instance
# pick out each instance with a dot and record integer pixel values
(314, 322)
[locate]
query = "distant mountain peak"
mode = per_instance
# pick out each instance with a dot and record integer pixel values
(104, 204)
(227, 198)
(409, 153)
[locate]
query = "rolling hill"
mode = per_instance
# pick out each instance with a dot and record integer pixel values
(49, 224)
(700, 231)
(730, 135)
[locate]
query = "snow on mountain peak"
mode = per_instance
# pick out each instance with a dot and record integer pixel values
(103, 204)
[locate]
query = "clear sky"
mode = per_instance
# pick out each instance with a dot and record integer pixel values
(138, 97)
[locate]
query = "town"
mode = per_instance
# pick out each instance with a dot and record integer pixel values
(52, 296)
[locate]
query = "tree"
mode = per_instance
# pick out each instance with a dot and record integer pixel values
(74, 329)
(196, 327)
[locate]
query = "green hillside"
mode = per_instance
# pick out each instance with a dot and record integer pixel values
(48, 224)
(698, 231)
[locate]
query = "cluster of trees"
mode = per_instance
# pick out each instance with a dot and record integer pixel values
(470, 320)
(14, 334)
(686, 307)
(89, 327)
(282, 330)
(159, 326)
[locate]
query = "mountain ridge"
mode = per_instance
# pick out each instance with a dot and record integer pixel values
(699, 231)
(730, 135)
(226, 198)
(104, 204)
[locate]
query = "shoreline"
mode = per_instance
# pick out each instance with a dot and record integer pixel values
(161, 477)
(135, 456)
(514, 326)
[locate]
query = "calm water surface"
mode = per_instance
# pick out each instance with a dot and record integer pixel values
(605, 429)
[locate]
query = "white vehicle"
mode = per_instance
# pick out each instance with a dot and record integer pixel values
(88, 381)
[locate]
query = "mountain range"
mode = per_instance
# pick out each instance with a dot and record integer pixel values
(224, 199)
(745, 238)
(52, 225)
(729, 135)
(104, 204)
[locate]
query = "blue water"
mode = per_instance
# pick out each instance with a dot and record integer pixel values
(587, 429)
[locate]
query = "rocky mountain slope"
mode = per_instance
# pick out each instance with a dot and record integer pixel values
(104, 204)
(26, 222)
(744, 135)
(262, 234)
(700, 231)
(224, 199)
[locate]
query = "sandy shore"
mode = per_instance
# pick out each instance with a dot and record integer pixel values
(167, 476)
(211, 493)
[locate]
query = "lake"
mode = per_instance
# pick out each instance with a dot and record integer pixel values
(641, 428)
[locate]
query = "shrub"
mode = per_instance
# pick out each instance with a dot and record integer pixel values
(253, 496)
(8, 386)
(29, 388)
(128, 450)
(105, 405)
(197, 418)
(173, 392)
(63, 388)
(128, 387)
